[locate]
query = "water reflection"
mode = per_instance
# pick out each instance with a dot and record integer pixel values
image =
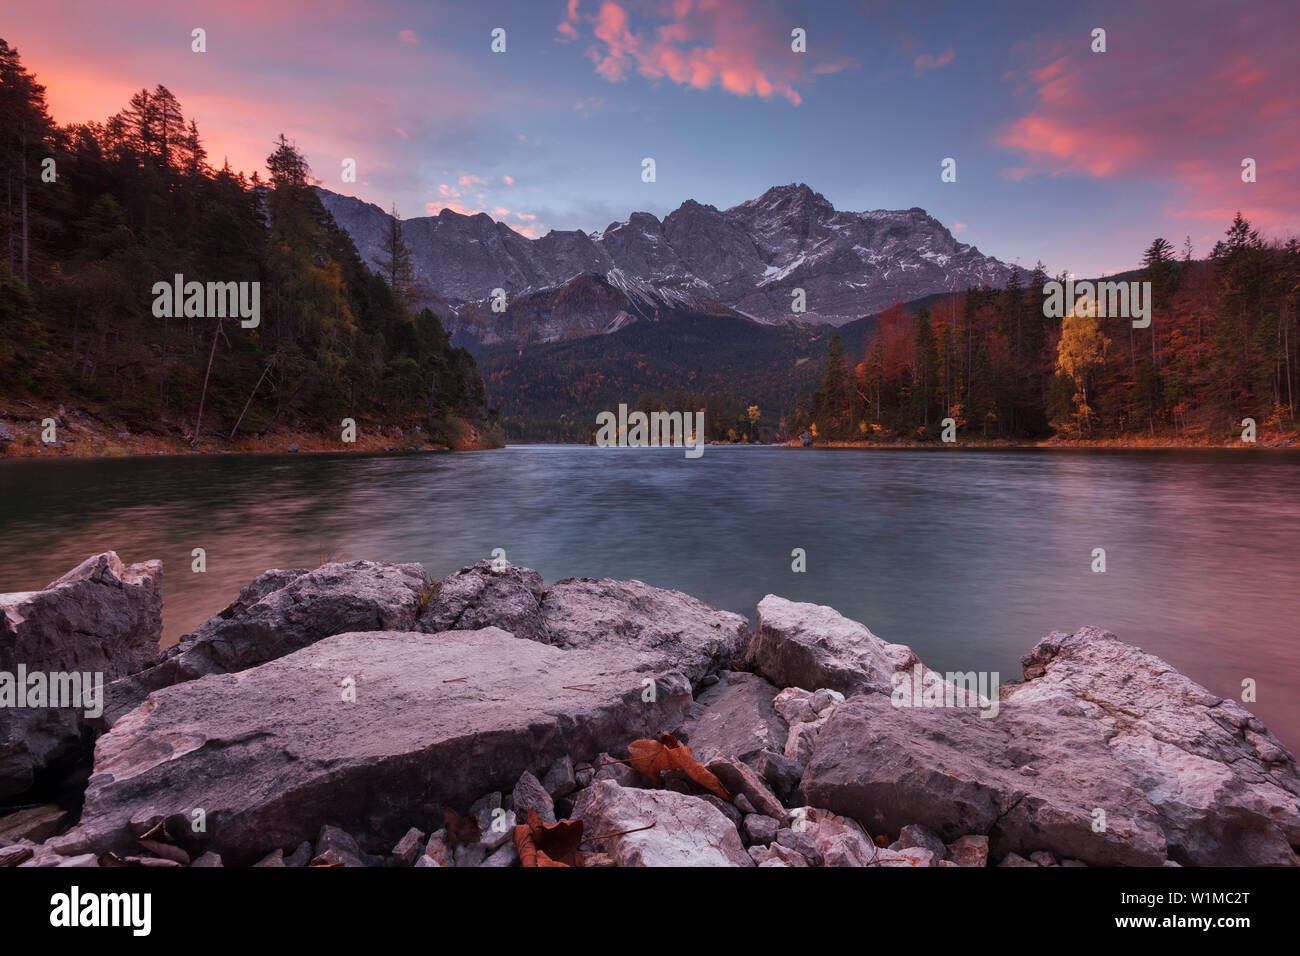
(968, 557)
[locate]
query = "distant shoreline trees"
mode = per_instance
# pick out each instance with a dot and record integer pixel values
(1223, 344)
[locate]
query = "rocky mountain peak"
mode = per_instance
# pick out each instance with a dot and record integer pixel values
(749, 257)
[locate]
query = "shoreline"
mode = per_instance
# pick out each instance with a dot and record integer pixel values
(1289, 442)
(88, 438)
(86, 435)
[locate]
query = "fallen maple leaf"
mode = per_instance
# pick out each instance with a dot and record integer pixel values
(548, 844)
(652, 758)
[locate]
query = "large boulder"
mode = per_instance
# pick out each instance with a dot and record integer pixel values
(679, 630)
(1030, 781)
(102, 620)
(1226, 790)
(272, 753)
(583, 612)
(680, 830)
(488, 594)
(810, 645)
(278, 613)
(735, 717)
(1104, 754)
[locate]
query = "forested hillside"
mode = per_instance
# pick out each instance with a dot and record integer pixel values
(682, 361)
(1222, 346)
(96, 214)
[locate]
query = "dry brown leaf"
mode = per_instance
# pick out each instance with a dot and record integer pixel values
(652, 758)
(649, 758)
(548, 844)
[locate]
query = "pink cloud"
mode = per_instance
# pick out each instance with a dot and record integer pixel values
(567, 29)
(407, 36)
(469, 197)
(1175, 111)
(740, 47)
(433, 208)
(929, 61)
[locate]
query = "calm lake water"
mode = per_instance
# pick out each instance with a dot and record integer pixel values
(969, 557)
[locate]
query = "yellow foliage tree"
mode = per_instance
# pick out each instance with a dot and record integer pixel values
(1081, 352)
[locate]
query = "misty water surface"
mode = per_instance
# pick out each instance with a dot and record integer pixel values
(969, 557)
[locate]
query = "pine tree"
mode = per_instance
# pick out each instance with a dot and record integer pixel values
(395, 262)
(924, 364)
(1242, 324)
(168, 133)
(832, 411)
(194, 156)
(25, 131)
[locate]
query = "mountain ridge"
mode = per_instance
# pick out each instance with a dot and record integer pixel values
(747, 259)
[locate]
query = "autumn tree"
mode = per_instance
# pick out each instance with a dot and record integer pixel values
(1081, 352)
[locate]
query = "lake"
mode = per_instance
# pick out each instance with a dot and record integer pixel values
(968, 556)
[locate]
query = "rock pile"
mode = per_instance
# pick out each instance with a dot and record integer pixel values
(355, 715)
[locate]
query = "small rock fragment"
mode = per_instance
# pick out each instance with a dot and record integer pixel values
(408, 847)
(760, 829)
(529, 794)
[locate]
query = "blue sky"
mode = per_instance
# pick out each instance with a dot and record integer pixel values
(1074, 157)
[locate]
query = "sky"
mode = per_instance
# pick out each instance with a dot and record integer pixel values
(1074, 157)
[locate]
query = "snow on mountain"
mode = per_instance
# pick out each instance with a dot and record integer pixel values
(698, 258)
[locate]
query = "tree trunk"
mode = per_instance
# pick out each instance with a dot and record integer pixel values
(206, 375)
(250, 398)
(25, 236)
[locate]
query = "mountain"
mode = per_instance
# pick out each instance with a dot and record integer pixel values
(587, 304)
(745, 260)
